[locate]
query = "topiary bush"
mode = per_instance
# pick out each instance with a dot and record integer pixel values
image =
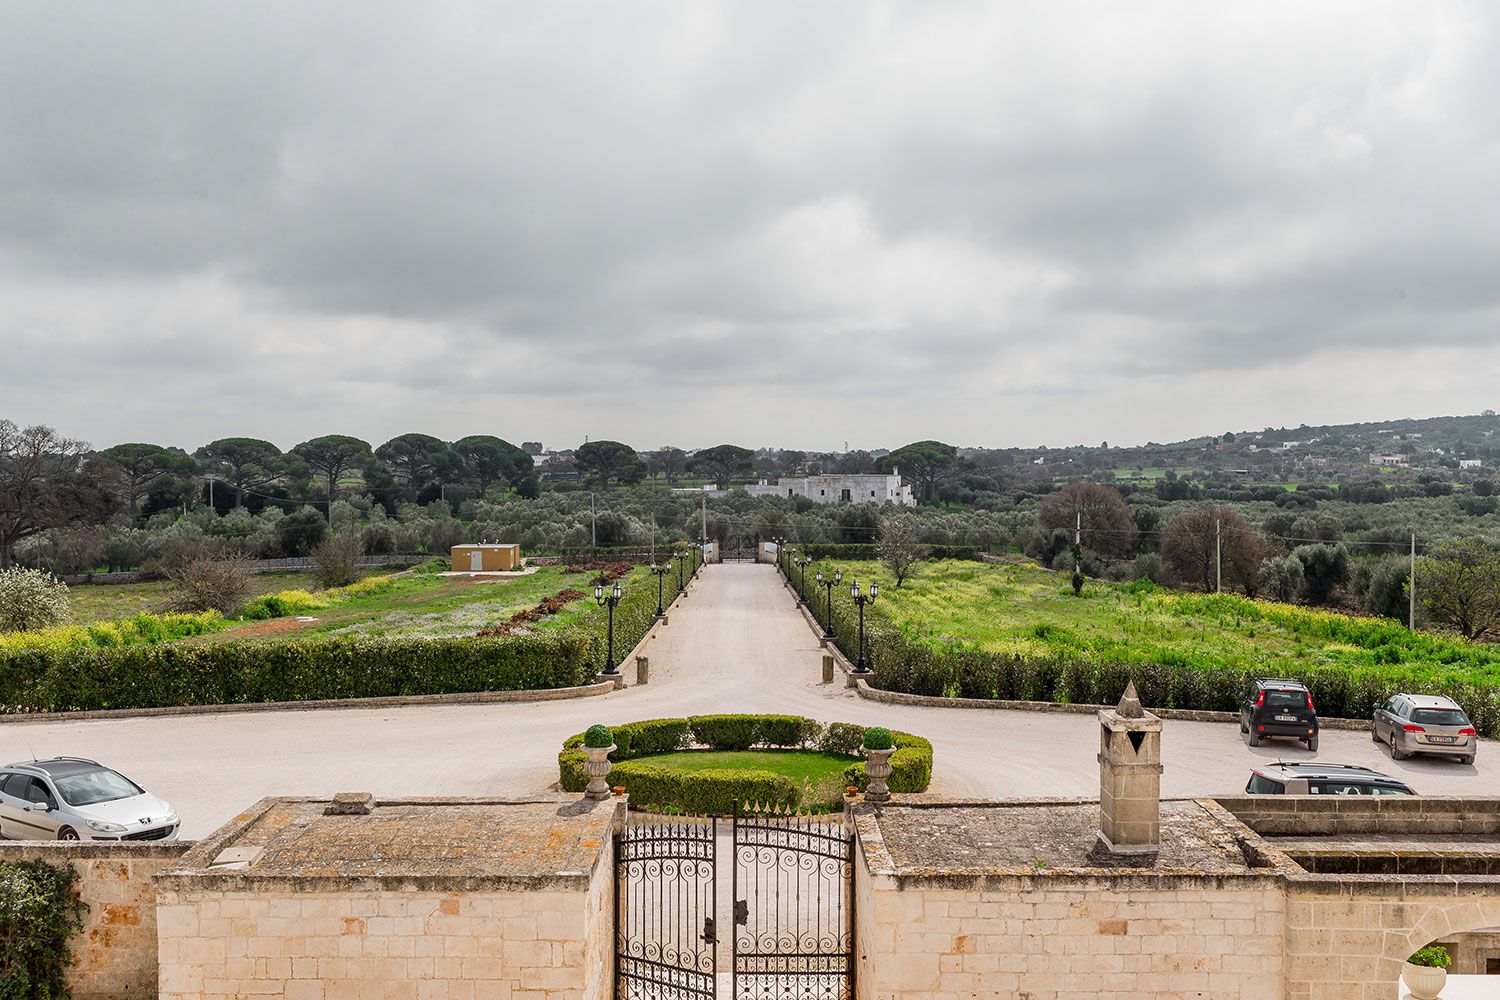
(877, 738)
(31, 599)
(716, 791)
(39, 912)
(598, 737)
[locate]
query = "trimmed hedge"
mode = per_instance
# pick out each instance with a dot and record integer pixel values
(313, 670)
(715, 792)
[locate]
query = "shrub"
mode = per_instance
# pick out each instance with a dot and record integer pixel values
(335, 563)
(911, 765)
(842, 738)
(1434, 956)
(792, 731)
(207, 579)
(145, 676)
(142, 629)
(598, 737)
(726, 732)
(877, 738)
(31, 599)
(39, 912)
(702, 792)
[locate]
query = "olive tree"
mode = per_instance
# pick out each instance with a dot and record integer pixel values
(31, 599)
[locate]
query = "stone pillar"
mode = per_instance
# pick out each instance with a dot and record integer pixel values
(827, 668)
(1129, 778)
(642, 669)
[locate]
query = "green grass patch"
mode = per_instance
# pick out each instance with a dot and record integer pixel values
(98, 602)
(801, 765)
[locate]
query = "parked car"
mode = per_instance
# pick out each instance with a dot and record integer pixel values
(1425, 723)
(1279, 708)
(70, 798)
(1297, 778)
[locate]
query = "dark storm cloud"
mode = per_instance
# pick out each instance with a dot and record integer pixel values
(992, 223)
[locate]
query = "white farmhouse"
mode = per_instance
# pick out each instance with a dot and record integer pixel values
(840, 489)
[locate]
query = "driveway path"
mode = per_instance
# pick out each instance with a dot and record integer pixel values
(737, 644)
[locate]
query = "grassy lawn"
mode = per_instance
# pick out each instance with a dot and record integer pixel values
(98, 602)
(1029, 612)
(432, 606)
(820, 774)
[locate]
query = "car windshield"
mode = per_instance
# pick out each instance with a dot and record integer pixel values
(1285, 699)
(1440, 717)
(84, 788)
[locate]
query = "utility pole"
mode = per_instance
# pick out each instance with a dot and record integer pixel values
(211, 494)
(593, 523)
(1411, 597)
(1218, 557)
(703, 503)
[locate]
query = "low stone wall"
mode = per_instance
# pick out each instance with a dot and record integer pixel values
(115, 955)
(429, 899)
(1308, 815)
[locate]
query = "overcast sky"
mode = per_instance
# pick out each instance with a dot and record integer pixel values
(769, 223)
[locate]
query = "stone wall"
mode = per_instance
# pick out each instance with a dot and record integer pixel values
(115, 954)
(354, 945)
(1353, 815)
(1052, 938)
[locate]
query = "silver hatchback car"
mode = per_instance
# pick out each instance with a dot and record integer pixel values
(1425, 723)
(70, 798)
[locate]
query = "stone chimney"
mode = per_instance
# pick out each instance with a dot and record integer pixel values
(1129, 778)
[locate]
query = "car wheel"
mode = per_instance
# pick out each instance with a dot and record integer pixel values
(1396, 752)
(1312, 744)
(1374, 734)
(1254, 737)
(1467, 760)
(67, 833)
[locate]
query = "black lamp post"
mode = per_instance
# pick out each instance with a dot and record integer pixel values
(802, 581)
(660, 572)
(828, 584)
(791, 560)
(611, 599)
(682, 558)
(861, 667)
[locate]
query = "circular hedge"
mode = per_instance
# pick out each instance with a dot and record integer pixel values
(715, 792)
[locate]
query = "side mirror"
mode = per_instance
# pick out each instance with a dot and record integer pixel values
(40, 807)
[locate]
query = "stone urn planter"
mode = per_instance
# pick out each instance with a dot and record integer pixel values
(1422, 981)
(877, 770)
(597, 767)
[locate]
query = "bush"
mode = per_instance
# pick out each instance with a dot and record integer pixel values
(842, 738)
(702, 792)
(141, 630)
(598, 737)
(31, 599)
(336, 561)
(877, 738)
(911, 765)
(137, 676)
(208, 580)
(726, 732)
(1434, 956)
(39, 912)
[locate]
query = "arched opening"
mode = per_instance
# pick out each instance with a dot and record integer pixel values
(1473, 969)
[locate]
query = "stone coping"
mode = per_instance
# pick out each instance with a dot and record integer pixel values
(91, 850)
(1348, 816)
(412, 844)
(998, 844)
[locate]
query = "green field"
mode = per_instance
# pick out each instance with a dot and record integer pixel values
(1030, 613)
(97, 602)
(821, 775)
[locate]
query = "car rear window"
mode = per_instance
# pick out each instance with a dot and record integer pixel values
(1440, 717)
(1285, 699)
(1262, 785)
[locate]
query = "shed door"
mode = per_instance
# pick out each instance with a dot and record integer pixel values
(476, 562)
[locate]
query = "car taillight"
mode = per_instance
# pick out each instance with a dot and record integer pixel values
(1260, 700)
(1468, 731)
(1409, 728)
(1309, 702)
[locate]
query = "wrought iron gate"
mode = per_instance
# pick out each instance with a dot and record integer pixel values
(793, 907)
(665, 908)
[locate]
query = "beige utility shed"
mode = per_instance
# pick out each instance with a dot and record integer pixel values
(486, 557)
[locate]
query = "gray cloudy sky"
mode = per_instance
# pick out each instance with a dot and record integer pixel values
(770, 223)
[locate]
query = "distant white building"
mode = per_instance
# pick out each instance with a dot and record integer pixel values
(1397, 461)
(1470, 463)
(840, 489)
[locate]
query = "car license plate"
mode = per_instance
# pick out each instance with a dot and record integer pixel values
(1440, 739)
(1286, 718)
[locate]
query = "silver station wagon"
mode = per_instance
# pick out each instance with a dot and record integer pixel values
(70, 798)
(1425, 723)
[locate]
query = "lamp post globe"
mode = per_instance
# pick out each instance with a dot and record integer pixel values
(659, 572)
(609, 600)
(828, 583)
(861, 665)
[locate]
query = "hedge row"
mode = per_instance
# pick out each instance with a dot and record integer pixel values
(230, 673)
(959, 670)
(715, 792)
(861, 550)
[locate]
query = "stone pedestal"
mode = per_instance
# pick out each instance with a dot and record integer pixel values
(827, 668)
(1129, 779)
(642, 669)
(877, 770)
(597, 767)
